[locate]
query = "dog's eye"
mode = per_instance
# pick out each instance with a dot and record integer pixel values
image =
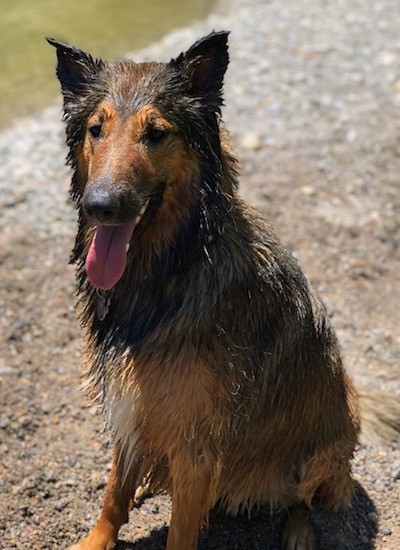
(155, 135)
(95, 130)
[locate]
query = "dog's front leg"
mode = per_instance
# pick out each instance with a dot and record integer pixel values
(120, 489)
(194, 486)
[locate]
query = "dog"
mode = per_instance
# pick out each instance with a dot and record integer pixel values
(214, 360)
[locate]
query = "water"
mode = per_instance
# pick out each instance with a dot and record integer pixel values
(107, 28)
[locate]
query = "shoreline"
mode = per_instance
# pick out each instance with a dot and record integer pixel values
(27, 85)
(139, 54)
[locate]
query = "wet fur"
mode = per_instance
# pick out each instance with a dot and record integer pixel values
(216, 364)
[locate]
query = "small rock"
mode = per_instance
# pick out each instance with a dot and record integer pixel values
(351, 135)
(25, 511)
(69, 482)
(251, 142)
(152, 508)
(6, 370)
(307, 190)
(93, 410)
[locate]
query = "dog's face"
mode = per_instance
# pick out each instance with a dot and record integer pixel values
(127, 160)
(136, 134)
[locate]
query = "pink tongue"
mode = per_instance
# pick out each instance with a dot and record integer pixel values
(106, 259)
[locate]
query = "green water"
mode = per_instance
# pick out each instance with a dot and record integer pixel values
(107, 28)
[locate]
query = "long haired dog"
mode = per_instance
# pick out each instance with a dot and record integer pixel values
(215, 362)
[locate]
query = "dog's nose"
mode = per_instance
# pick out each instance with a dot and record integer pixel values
(102, 205)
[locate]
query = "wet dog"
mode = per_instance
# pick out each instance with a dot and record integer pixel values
(214, 360)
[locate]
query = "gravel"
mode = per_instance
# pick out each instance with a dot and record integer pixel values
(313, 105)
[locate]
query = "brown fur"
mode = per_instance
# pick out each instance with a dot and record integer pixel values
(214, 360)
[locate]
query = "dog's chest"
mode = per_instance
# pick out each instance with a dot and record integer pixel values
(163, 403)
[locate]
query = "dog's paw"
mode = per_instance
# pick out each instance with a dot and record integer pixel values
(298, 532)
(95, 541)
(85, 545)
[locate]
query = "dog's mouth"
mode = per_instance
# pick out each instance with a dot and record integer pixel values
(107, 257)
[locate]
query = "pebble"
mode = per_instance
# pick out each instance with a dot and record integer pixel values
(6, 370)
(307, 190)
(251, 142)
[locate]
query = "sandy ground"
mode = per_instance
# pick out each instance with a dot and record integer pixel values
(313, 104)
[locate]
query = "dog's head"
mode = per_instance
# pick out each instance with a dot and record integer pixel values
(138, 135)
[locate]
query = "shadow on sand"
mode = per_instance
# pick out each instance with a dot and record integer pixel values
(352, 529)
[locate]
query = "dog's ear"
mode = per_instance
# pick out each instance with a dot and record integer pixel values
(204, 66)
(75, 69)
